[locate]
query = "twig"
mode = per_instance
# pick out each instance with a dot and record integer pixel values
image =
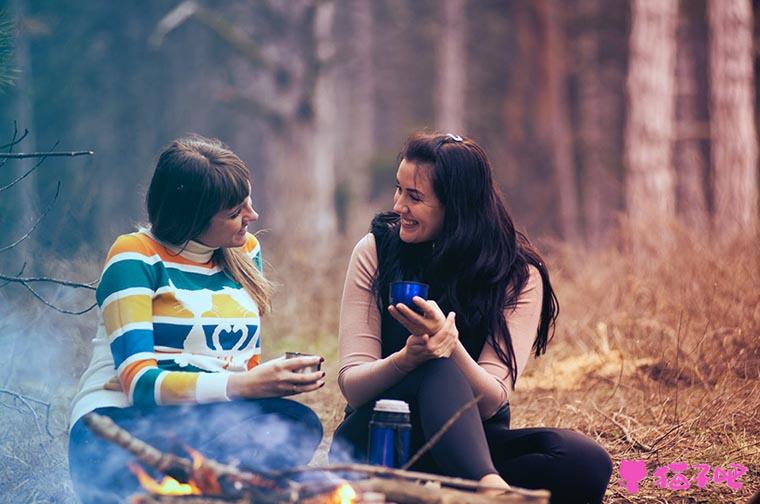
(25, 400)
(20, 272)
(54, 307)
(628, 437)
(36, 223)
(741, 448)
(66, 283)
(57, 281)
(15, 141)
(437, 436)
(666, 434)
(24, 155)
(27, 173)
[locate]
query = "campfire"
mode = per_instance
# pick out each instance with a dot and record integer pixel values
(200, 480)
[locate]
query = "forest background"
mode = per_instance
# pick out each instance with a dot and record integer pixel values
(622, 134)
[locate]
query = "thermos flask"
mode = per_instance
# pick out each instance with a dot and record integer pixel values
(389, 433)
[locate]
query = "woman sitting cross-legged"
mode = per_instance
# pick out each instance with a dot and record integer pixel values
(176, 358)
(491, 304)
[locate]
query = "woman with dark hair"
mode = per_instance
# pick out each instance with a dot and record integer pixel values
(179, 334)
(490, 305)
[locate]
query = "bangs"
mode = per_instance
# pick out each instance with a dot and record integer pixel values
(228, 186)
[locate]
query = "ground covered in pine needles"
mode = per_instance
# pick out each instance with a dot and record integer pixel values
(656, 356)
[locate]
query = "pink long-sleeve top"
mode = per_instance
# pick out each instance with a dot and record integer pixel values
(364, 373)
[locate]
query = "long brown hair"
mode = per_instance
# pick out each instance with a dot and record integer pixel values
(479, 264)
(195, 178)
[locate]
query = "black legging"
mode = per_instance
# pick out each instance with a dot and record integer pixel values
(570, 465)
(264, 434)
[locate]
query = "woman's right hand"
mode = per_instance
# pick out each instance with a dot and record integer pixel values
(276, 378)
(419, 349)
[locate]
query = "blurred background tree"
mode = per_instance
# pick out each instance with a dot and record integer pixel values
(317, 97)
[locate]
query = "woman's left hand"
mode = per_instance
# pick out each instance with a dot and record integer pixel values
(430, 322)
(419, 349)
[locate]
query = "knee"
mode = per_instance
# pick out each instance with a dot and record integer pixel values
(305, 417)
(590, 462)
(443, 372)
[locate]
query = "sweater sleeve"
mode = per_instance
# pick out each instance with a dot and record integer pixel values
(363, 373)
(489, 375)
(131, 279)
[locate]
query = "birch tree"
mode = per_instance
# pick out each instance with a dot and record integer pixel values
(732, 127)
(650, 178)
(452, 68)
(689, 155)
(599, 116)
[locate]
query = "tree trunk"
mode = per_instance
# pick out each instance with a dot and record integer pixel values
(452, 68)
(363, 84)
(691, 114)
(24, 208)
(302, 161)
(732, 126)
(560, 138)
(650, 179)
(599, 120)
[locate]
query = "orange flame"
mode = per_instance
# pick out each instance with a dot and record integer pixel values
(168, 485)
(345, 494)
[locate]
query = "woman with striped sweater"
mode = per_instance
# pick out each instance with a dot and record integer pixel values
(176, 358)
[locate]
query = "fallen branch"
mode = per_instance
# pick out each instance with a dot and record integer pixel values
(181, 469)
(413, 493)
(628, 436)
(405, 475)
(25, 401)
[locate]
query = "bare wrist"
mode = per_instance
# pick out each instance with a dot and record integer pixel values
(238, 387)
(402, 361)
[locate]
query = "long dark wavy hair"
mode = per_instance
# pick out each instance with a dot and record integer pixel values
(479, 264)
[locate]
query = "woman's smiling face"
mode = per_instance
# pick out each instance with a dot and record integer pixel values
(228, 227)
(416, 203)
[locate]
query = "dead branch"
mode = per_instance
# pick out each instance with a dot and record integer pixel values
(413, 493)
(179, 468)
(406, 492)
(437, 436)
(20, 272)
(401, 474)
(26, 282)
(223, 28)
(15, 141)
(627, 435)
(57, 281)
(24, 155)
(37, 222)
(25, 174)
(25, 401)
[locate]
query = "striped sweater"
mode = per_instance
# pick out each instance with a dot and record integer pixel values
(172, 326)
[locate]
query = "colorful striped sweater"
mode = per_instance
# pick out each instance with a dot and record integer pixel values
(172, 327)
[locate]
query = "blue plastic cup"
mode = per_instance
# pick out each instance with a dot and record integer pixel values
(404, 292)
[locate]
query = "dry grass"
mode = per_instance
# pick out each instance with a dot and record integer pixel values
(656, 357)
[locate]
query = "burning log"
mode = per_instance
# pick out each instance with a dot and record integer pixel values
(209, 476)
(221, 483)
